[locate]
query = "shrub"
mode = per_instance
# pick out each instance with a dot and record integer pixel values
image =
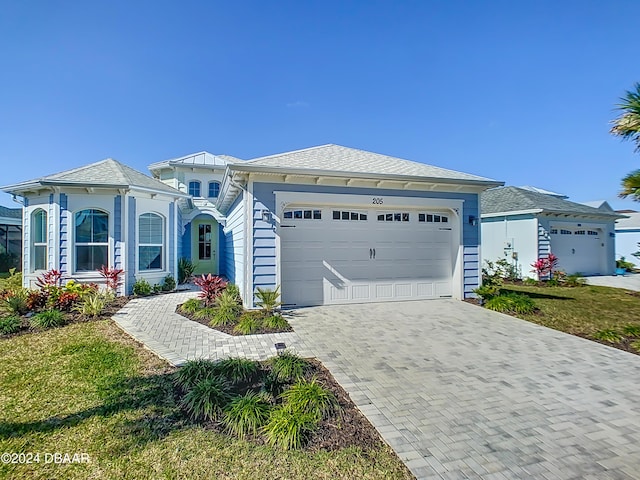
(288, 429)
(9, 325)
(234, 291)
(272, 386)
(248, 324)
(227, 309)
(608, 335)
(82, 289)
(276, 322)
(185, 270)
(622, 263)
(15, 301)
(237, 369)
(48, 319)
(168, 284)
(66, 301)
(49, 278)
(37, 299)
(246, 414)
(156, 288)
(210, 287)
(268, 299)
(487, 291)
(530, 282)
(310, 398)
(13, 281)
(288, 366)
(575, 280)
(142, 287)
(112, 276)
(193, 372)
(91, 306)
(206, 313)
(545, 265)
(511, 302)
(632, 331)
(191, 306)
(207, 398)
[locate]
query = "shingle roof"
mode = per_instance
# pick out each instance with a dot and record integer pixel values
(335, 158)
(107, 172)
(10, 212)
(631, 223)
(514, 199)
(200, 159)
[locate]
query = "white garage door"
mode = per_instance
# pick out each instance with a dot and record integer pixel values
(579, 250)
(336, 255)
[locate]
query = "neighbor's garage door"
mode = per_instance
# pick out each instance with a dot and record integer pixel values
(579, 250)
(335, 255)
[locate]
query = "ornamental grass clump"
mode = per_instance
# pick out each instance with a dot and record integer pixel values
(288, 367)
(310, 398)
(191, 306)
(9, 325)
(276, 322)
(207, 399)
(48, 319)
(237, 370)
(193, 372)
(248, 324)
(608, 335)
(246, 414)
(288, 429)
(511, 302)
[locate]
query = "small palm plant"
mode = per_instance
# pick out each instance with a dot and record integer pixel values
(227, 309)
(268, 299)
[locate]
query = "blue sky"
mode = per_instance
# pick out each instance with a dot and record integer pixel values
(522, 92)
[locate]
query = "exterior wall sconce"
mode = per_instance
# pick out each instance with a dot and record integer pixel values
(266, 216)
(473, 220)
(280, 348)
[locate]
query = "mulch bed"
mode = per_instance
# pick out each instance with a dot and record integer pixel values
(229, 329)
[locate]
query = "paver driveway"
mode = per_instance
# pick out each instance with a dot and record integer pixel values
(462, 392)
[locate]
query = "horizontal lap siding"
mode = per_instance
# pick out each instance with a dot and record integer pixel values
(234, 242)
(264, 237)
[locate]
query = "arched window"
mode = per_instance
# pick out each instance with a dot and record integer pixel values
(91, 240)
(39, 240)
(150, 241)
(214, 189)
(194, 188)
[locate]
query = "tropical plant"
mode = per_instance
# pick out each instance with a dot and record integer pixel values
(210, 287)
(288, 366)
(622, 263)
(487, 291)
(9, 325)
(227, 309)
(48, 319)
(207, 399)
(545, 265)
(234, 291)
(511, 302)
(248, 324)
(631, 186)
(575, 280)
(15, 301)
(627, 126)
(205, 313)
(310, 398)
(185, 270)
(66, 300)
(142, 288)
(268, 299)
(112, 276)
(37, 299)
(191, 306)
(168, 284)
(288, 429)
(631, 331)
(49, 278)
(608, 335)
(237, 370)
(246, 414)
(193, 372)
(276, 322)
(91, 306)
(13, 281)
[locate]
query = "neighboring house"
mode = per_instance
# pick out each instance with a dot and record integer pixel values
(628, 237)
(327, 224)
(10, 238)
(523, 225)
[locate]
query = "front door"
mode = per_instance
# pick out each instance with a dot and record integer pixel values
(204, 246)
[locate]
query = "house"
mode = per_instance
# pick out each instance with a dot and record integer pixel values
(10, 238)
(523, 224)
(327, 224)
(628, 237)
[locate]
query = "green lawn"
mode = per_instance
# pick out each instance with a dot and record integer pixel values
(581, 310)
(88, 388)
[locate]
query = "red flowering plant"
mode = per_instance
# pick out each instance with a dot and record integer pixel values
(51, 278)
(112, 276)
(210, 287)
(545, 266)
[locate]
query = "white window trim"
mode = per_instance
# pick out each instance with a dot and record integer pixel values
(162, 245)
(75, 244)
(199, 188)
(44, 243)
(209, 188)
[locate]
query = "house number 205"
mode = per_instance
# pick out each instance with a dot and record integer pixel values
(378, 201)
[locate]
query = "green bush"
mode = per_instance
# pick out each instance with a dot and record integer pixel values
(13, 281)
(511, 302)
(632, 331)
(207, 399)
(272, 386)
(9, 325)
(48, 319)
(487, 291)
(310, 398)
(234, 291)
(268, 299)
(142, 287)
(288, 366)
(156, 288)
(532, 282)
(15, 301)
(288, 429)
(622, 263)
(193, 372)
(168, 284)
(246, 414)
(227, 309)
(608, 335)
(248, 324)
(237, 369)
(205, 313)
(185, 270)
(575, 280)
(276, 322)
(191, 306)
(92, 306)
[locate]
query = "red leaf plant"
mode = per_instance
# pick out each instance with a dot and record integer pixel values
(51, 278)
(112, 276)
(210, 287)
(545, 265)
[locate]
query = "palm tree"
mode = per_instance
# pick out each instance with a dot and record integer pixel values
(631, 186)
(627, 125)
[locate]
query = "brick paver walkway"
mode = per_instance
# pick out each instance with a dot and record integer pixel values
(457, 391)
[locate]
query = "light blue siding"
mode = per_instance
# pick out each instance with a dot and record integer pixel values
(172, 240)
(234, 244)
(178, 233)
(117, 231)
(64, 234)
(263, 232)
(131, 246)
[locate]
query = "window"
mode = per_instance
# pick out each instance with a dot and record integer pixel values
(204, 242)
(580, 232)
(348, 215)
(39, 239)
(553, 231)
(565, 232)
(91, 240)
(194, 188)
(303, 214)
(432, 218)
(592, 232)
(214, 189)
(150, 241)
(393, 217)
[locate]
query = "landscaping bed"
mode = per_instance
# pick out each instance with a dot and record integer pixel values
(230, 328)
